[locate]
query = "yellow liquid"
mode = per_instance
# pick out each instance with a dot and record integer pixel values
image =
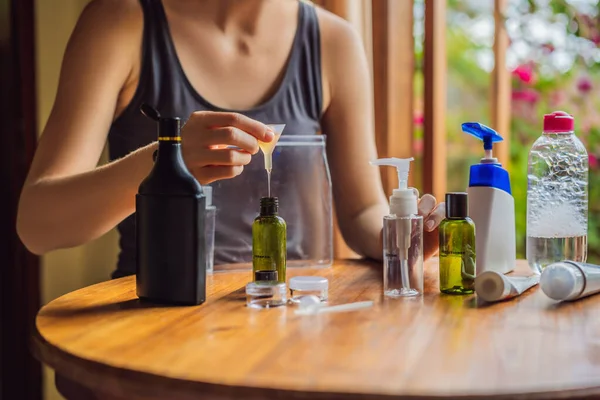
(267, 149)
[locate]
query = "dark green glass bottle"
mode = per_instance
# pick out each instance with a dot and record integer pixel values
(457, 247)
(269, 240)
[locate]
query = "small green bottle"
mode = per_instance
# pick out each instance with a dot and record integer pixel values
(457, 247)
(269, 240)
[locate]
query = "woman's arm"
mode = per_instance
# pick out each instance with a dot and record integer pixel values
(348, 121)
(67, 200)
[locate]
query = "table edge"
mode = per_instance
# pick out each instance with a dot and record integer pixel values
(99, 377)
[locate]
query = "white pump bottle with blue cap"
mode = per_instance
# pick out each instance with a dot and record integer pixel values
(402, 236)
(491, 206)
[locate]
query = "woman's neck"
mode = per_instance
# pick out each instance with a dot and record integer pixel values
(242, 16)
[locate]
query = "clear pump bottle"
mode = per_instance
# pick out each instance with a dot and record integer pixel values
(402, 237)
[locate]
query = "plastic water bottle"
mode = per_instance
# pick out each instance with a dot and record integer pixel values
(557, 195)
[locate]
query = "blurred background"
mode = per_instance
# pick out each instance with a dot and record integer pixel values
(554, 60)
(434, 63)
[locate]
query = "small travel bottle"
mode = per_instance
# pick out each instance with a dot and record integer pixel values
(402, 237)
(457, 247)
(269, 240)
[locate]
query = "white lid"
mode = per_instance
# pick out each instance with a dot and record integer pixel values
(562, 281)
(309, 283)
(491, 286)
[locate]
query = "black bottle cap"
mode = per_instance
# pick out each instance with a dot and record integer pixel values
(266, 275)
(269, 205)
(457, 205)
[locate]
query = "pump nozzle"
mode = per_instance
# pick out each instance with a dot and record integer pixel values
(402, 167)
(403, 201)
(483, 133)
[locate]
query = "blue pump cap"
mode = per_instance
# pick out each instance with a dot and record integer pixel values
(482, 132)
(489, 175)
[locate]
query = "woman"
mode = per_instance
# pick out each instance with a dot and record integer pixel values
(271, 60)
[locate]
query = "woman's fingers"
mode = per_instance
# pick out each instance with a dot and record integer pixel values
(211, 120)
(426, 205)
(432, 221)
(225, 157)
(219, 138)
(432, 212)
(211, 173)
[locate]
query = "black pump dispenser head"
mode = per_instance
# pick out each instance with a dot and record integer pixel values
(169, 129)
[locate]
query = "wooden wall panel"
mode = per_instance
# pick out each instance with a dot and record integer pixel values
(501, 85)
(393, 73)
(435, 65)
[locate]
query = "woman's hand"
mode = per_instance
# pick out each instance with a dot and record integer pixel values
(433, 213)
(205, 140)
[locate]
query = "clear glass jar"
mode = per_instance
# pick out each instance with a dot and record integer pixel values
(301, 286)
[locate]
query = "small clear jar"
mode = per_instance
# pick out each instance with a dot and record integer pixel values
(265, 294)
(308, 286)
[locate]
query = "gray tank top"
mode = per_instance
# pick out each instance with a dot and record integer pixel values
(163, 84)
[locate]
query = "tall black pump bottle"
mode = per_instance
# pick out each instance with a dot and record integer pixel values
(170, 206)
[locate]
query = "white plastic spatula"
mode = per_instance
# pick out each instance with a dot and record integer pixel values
(267, 149)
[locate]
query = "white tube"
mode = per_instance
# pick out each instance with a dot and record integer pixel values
(493, 286)
(569, 280)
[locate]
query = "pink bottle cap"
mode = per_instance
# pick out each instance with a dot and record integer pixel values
(558, 121)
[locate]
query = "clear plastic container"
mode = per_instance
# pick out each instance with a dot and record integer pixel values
(402, 270)
(557, 195)
(209, 229)
(265, 294)
(302, 286)
(301, 181)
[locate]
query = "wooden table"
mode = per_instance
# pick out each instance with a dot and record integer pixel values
(435, 346)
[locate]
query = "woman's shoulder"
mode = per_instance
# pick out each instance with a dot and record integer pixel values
(341, 50)
(121, 15)
(336, 31)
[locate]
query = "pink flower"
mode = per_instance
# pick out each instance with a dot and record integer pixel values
(584, 85)
(418, 119)
(525, 95)
(524, 73)
(593, 161)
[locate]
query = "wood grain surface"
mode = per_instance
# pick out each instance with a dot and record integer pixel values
(434, 346)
